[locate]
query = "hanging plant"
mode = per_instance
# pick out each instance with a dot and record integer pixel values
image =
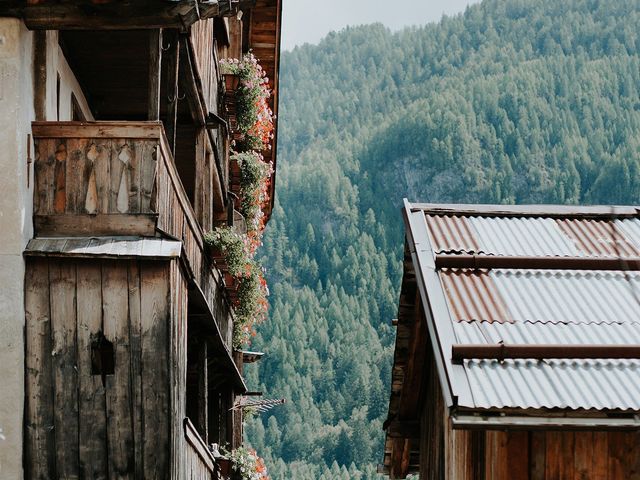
(254, 192)
(246, 464)
(252, 304)
(229, 249)
(253, 115)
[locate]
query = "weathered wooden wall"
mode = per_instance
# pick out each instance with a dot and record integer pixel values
(206, 59)
(85, 425)
(543, 455)
(119, 178)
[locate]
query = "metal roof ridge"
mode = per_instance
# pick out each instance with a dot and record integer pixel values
(529, 210)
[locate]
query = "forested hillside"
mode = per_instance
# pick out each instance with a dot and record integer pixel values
(515, 101)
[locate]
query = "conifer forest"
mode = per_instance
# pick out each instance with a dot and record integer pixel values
(512, 101)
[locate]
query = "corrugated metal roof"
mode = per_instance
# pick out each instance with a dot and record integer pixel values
(527, 306)
(473, 295)
(542, 295)
(569, 384)
(108, 247)
(537, 333)
(534, 236)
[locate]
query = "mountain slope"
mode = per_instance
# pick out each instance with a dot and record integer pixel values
(515, 101)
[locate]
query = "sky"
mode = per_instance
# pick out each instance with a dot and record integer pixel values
(308, 21)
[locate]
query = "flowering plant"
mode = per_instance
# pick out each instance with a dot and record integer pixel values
(247, 464)
(232, 246)
(255, 118)
(254, 192)
(252, 304)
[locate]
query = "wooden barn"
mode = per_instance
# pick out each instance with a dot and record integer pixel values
(129, 369)
(518, 344)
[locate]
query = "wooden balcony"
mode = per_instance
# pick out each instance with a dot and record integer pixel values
(199, 462)
(120, 179)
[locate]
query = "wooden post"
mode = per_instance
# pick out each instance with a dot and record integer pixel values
(40, 75)
(173, 69)
(155, 73)
(203, 392)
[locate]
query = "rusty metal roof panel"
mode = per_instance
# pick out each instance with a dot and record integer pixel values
(566, 384)
(550, 296)
(534, 236)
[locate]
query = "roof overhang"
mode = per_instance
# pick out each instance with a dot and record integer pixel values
(521, 422)
(116, 14)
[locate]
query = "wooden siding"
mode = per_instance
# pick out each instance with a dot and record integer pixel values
(542, 455)
(120, 170)
(80, 423)
(203, 43)
(200, 464)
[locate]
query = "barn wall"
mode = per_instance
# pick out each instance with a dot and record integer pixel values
(543, 455)
(79, 424)
(432, 425)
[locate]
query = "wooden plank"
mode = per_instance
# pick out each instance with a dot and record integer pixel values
(497, 465)
(136, 364)
(59, 182)
(90, 225)
(127, 16)
(62, 277)
(43, 168)
(173, 67)
(624, 455)
(75, 188)
(40, 75)
(119, 181)
(518, 454)
(92, 419)
(198, 444)
(100, 155)
(118, 386)
(149, 158)
(40, 451)
(600, 458)
(559, 455)
(154, 321)
(583, 457)
(102, 129)
(537, 452)
(155, 73)
(203, 390)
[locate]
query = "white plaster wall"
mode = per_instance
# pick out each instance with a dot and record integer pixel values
(16, 114)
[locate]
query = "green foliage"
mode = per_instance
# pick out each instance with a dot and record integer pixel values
(232, 247)
(515, 101)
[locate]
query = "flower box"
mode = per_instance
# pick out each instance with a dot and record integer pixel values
(224, 466)
(231, 81)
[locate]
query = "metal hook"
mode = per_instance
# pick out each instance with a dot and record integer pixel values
(163, 48)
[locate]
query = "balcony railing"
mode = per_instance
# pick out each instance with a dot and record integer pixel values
(200, 464)
(119, 179)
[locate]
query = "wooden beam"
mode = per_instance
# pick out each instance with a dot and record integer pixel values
(155, 73)
(203, 391)
(40, 75)
(173, 71)
(404, 429)
(400, 457)
(84, 15)
(101, 224)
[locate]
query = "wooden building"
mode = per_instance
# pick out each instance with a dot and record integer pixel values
(129, 368)
(518, 344)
